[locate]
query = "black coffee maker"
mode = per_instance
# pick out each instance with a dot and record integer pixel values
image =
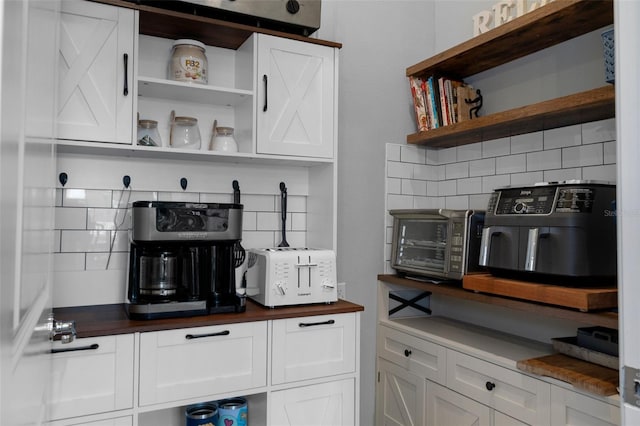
(182, 259)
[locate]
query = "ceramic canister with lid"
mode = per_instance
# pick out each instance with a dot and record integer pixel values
(188, 62)
(223, 140)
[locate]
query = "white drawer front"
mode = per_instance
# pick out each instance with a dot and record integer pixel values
(118, 421)
(324, 404)
(515, 394)
(194, 362)
(416, 355)
(310, 347)
(92, 375)
(572, 408)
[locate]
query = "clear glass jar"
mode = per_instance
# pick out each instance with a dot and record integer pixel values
(223, 140)
(188, 62)
(148, 133)
(185, 133)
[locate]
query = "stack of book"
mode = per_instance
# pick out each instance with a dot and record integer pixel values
(440, 101)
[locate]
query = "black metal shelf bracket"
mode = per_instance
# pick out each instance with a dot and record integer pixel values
(405, 303)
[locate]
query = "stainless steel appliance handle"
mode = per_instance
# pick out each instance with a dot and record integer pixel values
(532, 250)
(485, 246)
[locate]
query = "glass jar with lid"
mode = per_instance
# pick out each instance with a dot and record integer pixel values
(188, 62)
(223, 140)
(185, 133)
(148, 133)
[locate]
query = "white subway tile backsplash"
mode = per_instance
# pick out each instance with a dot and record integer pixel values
(606, 173)
(269, 221)
(414, 187)
(433, 156)
(249, 222)
(511, 164)
(399, 170)
(393, 152)
(447, 187)
(479, 201)
(544, 160)
(447, 155)
(70, 218)
(72, 241)
(456, 202)
(584, 155)
(295, 203)
(68, 261)
(219, 198)
(426, 172)
(528, 178)
(58, 199)
(399, 201)
(98, 261)
(432, 189)
(298, 221)
(563, 137)
(427, 203)
(107, 218)
(123, 198)
(529, 142)
(295, 239)
(489, 183)
(456, 170)
(187, 197)
(469, 152)
(394, 186)
(75, 197)
(610, 152)
(599, 131)
(470, 185)
(562, 174)
(258, 239)
(496, 147)
(258, 203)
(484, 167)
(412, 154)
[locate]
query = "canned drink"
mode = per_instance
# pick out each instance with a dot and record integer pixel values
(233, 412)
(204, 414)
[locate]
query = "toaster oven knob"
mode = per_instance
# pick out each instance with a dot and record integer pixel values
(520, 208)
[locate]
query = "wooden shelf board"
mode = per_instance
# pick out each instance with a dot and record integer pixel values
(544, 27)
(601, 318)
(158, 22)
(592, 105)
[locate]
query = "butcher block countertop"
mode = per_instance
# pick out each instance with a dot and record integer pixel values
(105, 320)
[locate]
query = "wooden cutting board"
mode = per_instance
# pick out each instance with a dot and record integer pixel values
(581, 374)
(584, 299)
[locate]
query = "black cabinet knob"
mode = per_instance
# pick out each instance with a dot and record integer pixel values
(490, 386)
(293, 7)
(407, 352)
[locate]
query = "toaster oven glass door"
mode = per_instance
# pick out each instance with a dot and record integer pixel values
(422, 245)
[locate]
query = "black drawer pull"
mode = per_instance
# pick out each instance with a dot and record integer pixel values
(126, 76)
(311, 324)
(264, 78)
(490, 386)
(199, 336)
(79, 348)
(407, 353)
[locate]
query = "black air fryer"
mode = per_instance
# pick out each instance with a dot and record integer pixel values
(182, 261)
(556, 232)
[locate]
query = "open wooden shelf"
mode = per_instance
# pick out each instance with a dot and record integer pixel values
(544, 27)
(602, 318)
(592, 105)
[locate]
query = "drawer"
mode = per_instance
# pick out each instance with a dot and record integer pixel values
(117, 421)
(515, 394)
(573, 408)
(419, 356)
(92, 375)
(201, 361)
(311, 347)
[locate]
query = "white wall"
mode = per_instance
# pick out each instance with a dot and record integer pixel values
(380, 39)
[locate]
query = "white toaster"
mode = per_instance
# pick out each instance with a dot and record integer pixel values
(282, 276)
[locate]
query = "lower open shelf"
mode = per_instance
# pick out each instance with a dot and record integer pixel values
(604, 318)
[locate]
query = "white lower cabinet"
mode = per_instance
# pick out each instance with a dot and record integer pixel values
(423, 381)
(324, 404)
(92, 375)
(193, 362)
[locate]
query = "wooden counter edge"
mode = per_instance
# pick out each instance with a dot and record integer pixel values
(107, 320)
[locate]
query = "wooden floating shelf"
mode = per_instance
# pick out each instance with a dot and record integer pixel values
(592, 105)
(602, 318)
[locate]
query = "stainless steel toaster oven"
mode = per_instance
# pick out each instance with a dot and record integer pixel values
(438, 243)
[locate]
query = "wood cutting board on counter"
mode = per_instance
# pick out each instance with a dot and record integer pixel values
(585, 299)
(581, 374)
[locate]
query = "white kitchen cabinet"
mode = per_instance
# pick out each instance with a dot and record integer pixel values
(95, 91)
(312, 347)
(116, 421)
(323, 404)
(195, 362)
(297, 98)
(574, 409)
(92, 375)
(400, 395)
(445, 407)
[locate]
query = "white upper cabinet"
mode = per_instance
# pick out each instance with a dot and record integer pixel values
(296, 86)
(96, 72)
